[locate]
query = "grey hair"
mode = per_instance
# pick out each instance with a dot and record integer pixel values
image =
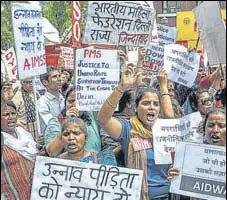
(74, 120)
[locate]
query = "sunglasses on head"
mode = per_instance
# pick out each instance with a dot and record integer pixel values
(208, 101)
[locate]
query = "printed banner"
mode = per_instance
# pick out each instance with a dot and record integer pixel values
(76, 22)
(166, 34)
(154, 59)
(68, 55)
(10, 61)
(119, 23)
(167, 133)
(182, 67)
(97, 75)
(67, 179)
(29, 40)
(208, 15)
(202, 171)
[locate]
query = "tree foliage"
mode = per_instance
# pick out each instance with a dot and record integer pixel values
(59, 13)
(7, 38)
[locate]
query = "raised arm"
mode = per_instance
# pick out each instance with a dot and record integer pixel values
(166, 104)
(105, 116)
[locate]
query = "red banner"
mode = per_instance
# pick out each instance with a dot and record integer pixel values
(76, 21)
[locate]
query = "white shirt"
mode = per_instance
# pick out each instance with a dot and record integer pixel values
(24, 144)
(49, 106)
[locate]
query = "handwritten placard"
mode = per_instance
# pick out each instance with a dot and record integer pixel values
(29, 39)
(167, 133)
(97, 75)
(181, 66)
(166, 34)
(66, 179)
(10, 61)
(68, 55)
(118, 23)
(202, 171)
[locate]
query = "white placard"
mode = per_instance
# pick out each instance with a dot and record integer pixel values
(67, 179)
(68, 55)
(167, 133)
(208, 16)
(29, 40)
(202, 171)
(182, 67)
(154, 59)
(166, 34)
(97, 75)
(119, 23)
(10, 61)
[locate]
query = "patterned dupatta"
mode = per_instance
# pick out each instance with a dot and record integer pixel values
(138, 159)
(30, 114)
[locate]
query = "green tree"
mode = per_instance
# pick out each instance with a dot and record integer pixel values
(59, 13)
(7, 38)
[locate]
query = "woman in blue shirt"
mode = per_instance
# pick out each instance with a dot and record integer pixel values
(138, 130)
(74, 138)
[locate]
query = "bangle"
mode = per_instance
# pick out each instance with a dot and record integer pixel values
(212, 91)
(165, 94)
(110, 104)
(120, 91)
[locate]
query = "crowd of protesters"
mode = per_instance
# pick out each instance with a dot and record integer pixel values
(49, 123)
(103, 137)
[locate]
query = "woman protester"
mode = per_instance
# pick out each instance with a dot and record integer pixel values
(215, 132)
(53, 128)
(18, 156)
(139, 128)
(74, 137)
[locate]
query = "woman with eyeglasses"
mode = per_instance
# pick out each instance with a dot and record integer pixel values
(18, 156)
(139, 130)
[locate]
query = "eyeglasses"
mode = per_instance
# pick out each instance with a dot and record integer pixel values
(27, 82)
(171, 90)
(208, 101)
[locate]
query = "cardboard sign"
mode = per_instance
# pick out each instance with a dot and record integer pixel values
(10, 61)
(119, 23)
(67, 179)
(68, 55)
(29, 42)
(208, 15)
(167, 133)
(166, 34)
(97, 75)
(202, 171)
(182, 67)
